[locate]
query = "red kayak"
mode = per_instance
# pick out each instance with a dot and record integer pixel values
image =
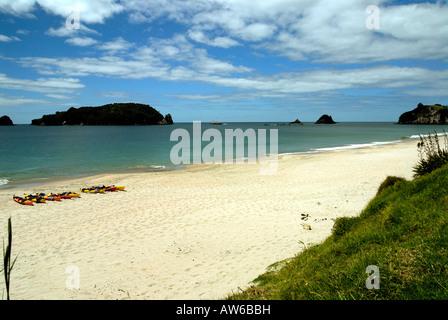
(23, 201)
(51, 197)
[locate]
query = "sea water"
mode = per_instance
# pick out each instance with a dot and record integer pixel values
(33, 154)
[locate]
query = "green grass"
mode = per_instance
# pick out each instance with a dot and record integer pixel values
(403, 231)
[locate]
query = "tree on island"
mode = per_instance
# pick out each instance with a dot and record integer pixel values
(425, 114)
(109, 114)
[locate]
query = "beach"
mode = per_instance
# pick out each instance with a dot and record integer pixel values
(201, 232)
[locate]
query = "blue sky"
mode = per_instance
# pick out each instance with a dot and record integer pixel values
(258, 60)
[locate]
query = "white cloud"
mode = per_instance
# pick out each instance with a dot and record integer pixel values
(318, 31)
(49, 85)
(222, 42)
(58, 96)
(14, 101)
(115, 94)
(89, 11)
(63, 31)
(81, 42)
(315, 30)
(256, 31)
(194, 64)
(335, 32)
(23, 31)
(117, 45)
(4, 38)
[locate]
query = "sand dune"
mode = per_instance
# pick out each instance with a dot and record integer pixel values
(196, 233)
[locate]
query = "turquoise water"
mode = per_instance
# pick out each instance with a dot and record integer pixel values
(32, 153)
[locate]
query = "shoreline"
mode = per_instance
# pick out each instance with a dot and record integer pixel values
(36, 182)
(196, 233)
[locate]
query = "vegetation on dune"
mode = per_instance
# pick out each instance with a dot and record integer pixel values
(403, 232)
(431, 154)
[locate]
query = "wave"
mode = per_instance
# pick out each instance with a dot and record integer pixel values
(3, 182)
(417, 136)
(357, 146)
(140, 167)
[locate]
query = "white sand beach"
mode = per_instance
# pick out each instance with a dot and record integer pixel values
(197, 233)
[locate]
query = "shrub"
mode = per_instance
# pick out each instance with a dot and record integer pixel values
(432, 155)
(389, 182)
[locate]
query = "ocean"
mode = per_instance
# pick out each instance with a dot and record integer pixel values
(34, 154)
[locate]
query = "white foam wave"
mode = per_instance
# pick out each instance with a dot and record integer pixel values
(3, 181)
(357, 146)
(417, 136)
(147, 166)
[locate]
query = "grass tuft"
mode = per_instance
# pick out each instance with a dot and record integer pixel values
(7, 265)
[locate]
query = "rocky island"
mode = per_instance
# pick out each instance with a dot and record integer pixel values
(325, 119)
(6, 121)
(297, 121)
(425, 114)
(110, 114)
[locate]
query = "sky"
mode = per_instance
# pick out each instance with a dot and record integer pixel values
(224, 60)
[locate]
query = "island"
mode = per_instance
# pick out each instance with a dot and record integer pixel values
(425, 114)
(106, 115)
(6, 121)
(297, 121)
(325, 119)
(215, 123)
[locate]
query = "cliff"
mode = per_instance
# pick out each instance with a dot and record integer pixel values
(425, 114)
(110, 114)
(6, 121)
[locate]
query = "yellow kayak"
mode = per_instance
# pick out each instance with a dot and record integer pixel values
(92, 190)
(70, 194)
(34, 198)
(121, 188)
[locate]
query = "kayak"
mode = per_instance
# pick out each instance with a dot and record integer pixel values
(120, 188)
(23, 201)
(51, 197)
(70, 194)
(35, 198)
(92, 190)
(107, 188)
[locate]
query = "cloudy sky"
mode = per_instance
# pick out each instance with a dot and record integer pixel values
(225, 60)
